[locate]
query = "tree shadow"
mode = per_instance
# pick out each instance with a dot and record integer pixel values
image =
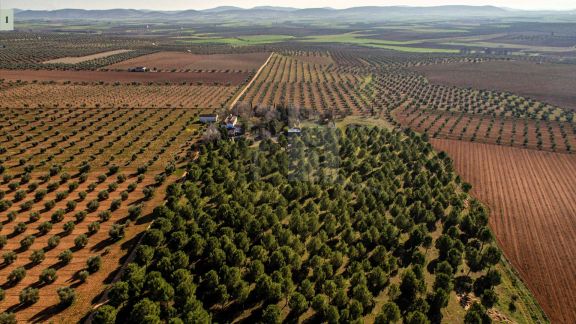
(44, 315)
(101, 245)
(145, 219)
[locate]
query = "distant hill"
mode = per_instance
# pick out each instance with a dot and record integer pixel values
(372, 13)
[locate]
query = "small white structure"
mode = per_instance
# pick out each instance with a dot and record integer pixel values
(208, 118)
(138, 69)
(6, 19)
(294, 131)
(231, 121)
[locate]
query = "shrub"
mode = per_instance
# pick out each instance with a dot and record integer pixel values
(29, 296)
(58, 216)
(80, 216)
(112, 187)
(17, 275)
(53, 242)
(82, 195)
(8, 318)
(48, 276)
(93, 206)
(26, 242)
(104, 216)
(49, 204)
(103, 195)
(134, 212)
(93, 228)
(34, 217)
(69, 227)
(67, 296)
(65, 256)
(37, 257)
(94, 263)
(116, 203)
(44, 228)
(81, 241)
(3, 241)
(9, 257)
(70, 205)
(83, 275)
(116, 232)
(20, 228)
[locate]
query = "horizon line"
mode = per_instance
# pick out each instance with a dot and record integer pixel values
(295, 8)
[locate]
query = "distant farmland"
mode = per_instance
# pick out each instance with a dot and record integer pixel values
(551, 83)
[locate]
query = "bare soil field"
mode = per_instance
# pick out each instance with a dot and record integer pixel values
(168, 61)
(551, 83)
(233, 78)
(533, 214)
(80, 59)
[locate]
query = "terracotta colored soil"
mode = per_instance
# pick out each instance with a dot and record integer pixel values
(552, 83)
(186, 61)
(234, 78)
(80, 59)
(533, 214)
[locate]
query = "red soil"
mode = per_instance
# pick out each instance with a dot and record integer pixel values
(248, 62)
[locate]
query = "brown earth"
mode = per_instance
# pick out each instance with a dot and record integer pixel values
(551, 83)
(80, 59)
(233, 78)
(248, 62)
(533, 214)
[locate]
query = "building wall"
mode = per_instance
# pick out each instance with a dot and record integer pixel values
(6, 15)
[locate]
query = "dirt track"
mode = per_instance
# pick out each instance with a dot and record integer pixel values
(533, 214)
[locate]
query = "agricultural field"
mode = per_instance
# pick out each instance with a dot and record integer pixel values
(180, 61)
(74, 182)
(87, 95)
(551, 83)
(341, 223)
(214, 78)
(531, 198)
(310, 81)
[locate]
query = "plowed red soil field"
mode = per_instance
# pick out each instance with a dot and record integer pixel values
(531, 196)
(248, 62)
(232, 78)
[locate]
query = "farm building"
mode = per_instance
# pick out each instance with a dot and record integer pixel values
(6, 19)
(231, 121)
(208, 118)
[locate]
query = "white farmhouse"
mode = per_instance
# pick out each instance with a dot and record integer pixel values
(6, 19)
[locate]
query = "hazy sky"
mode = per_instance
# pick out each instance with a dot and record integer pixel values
(196, 4)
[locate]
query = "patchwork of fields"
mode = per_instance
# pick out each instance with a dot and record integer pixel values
(87, 148)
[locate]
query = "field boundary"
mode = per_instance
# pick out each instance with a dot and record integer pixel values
(249, 84)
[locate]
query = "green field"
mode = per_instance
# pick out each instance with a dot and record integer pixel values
(358, 39)
(236, 41)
